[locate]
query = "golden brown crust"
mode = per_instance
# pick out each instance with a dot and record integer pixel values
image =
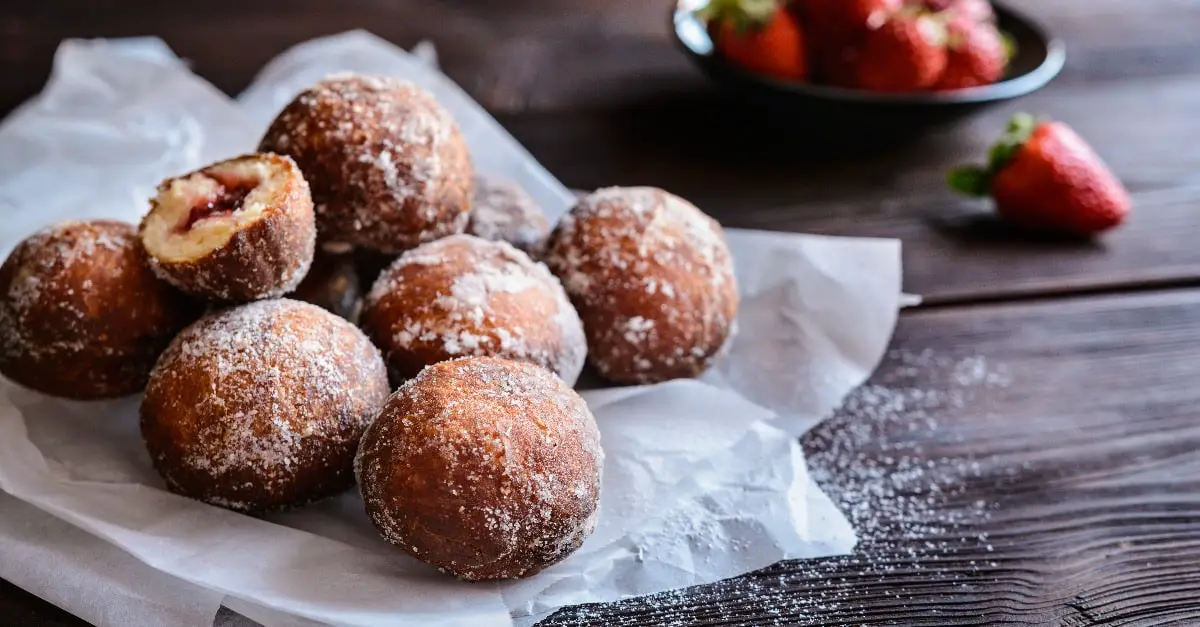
(81, 315)
(652, 279)
(463, 296)
(483, 467)
(503, 212)
(388, 166)
(260, 407)
(332, 284)
(264, 259)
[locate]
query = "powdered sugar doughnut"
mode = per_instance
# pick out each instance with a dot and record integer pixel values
(261, 407)
(238, 230)
(503, 212)
(652, 279)
(81, 315)
(388, 166)
(483, 467)
(463, 296)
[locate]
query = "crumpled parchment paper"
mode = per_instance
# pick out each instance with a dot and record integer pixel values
(704, 480)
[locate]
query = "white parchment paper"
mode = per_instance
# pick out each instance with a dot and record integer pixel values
(703, 480)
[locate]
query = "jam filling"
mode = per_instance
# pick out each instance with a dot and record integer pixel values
(225, 202)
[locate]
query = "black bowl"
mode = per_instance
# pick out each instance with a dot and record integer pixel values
(836, 111)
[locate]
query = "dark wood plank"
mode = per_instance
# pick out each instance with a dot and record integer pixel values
(596, 91)
(705, 146)
(18, 607)
(956, 252)
(1033, 464)
(750, 180)
(558, 54)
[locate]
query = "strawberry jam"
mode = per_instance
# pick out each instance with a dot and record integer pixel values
(227, 201)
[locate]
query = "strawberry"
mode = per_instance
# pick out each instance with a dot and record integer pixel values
(978, 55)
(848, 14)
(973, 11)
(1042, 175)
(907, 53)
(836, 62)
(835, 28)
(759, 35)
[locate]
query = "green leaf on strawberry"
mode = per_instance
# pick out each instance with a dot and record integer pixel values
(977, 181)
(743, 14)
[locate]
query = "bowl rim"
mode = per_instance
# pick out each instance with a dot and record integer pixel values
(1050, 67)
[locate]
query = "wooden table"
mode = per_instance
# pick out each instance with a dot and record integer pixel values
(1029, 453)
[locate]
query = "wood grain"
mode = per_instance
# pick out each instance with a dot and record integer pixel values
(587, 52)
(1067, 479)
(956, 252)
(596, 91)
(1062, 488)
(18, 607)
(953, 254)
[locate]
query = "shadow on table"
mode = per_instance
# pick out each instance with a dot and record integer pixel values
(979, 228)
(714, 125)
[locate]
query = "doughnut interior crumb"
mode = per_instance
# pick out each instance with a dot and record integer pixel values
(199, 213)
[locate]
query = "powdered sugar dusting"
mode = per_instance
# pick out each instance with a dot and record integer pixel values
(891, 489)
(638, 200)
(643, 255)
(502, 211)
(41, 268)
(463, 296)
(515, 456)
(250, 398)
(261, 247)
(81, 316)
(911, 511)
(637, 330)
(387, 164)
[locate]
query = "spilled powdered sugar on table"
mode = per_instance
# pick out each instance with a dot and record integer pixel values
(905, 506)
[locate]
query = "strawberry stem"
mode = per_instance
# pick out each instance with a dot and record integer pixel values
(1010, 47)
(743, 14)
(1020, 128)
(977, 181)
(971, 181)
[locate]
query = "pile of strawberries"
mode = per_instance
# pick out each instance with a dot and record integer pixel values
(891, 46)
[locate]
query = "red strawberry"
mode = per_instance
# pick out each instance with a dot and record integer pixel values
(973, 11)
(759, 35)
(978, 55)
(835, 28)
(848, 14)
(836, 63)
(908, 53)
(1043, 175)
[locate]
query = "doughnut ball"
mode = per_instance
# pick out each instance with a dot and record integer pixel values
(464, 296)
(81, 314)
(332, 284)
(652, 279)
(484, 467)
(260, 407)
(503, 212)
(388, 166)
(236, 231)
